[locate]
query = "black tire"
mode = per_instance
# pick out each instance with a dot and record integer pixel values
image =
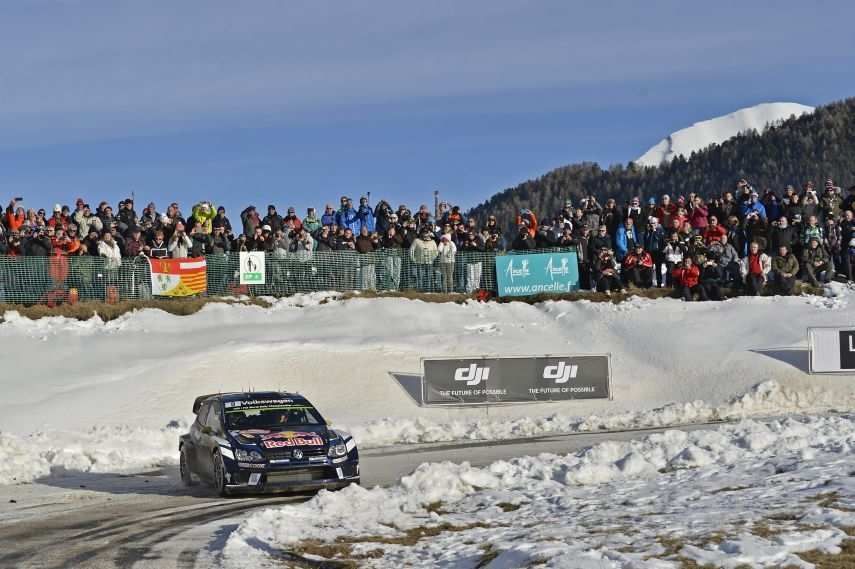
(220, 475)
(184, 469)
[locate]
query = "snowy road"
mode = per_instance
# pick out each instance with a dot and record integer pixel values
(149, 521)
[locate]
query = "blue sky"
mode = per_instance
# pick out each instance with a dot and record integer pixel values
(298, 103)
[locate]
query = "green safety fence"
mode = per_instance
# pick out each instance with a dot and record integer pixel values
(53, 280)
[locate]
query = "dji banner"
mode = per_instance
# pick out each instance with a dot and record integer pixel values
(832, 350)
(515, 380)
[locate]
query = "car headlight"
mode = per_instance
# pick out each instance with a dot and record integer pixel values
(248, 455)
(337, 450)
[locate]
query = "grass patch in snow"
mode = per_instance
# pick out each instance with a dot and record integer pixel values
(342, 549)
(107, 312)
(821, 560)
(188, 306)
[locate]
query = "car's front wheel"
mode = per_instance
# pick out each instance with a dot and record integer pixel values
(184, 469)
(220, 475)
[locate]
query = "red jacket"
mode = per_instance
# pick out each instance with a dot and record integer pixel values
(687, 277)
(714, 233)
(631, 260)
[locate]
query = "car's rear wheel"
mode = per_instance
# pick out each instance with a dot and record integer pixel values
(220, 475)
(184, 469)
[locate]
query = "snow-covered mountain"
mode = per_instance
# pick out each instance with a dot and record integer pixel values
(717, 130)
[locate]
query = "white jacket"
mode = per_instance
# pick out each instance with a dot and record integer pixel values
(446, 252)
(765, 265)
(110, 251)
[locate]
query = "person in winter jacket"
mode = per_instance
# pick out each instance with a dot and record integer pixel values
(273, 219)
(15, 216)
(220, 220)
(605, 273)
(816, 262)
(686, 278)
(328, 217)
(637, 268)
(527, 216)
(698, 215)
(85, 221)
(666, 210)
(347, 217)
(311, 222)
(710, 278)
(812, 229)
(37, 245)
(625, 238)
(674, 252)
(109, 249)
(753, 207)
(755, 269)
(782, 234)
(601, 240)
(714, 231)
(653, 239)
(785, 267)
(365, 215)
(179, 244)
(446, 254)
(250, 221)
(524, 241)
(204, 214)
(423, 253)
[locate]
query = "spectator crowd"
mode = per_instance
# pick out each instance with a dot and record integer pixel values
(739, 239)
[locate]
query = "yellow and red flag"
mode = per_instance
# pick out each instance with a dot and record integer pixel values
(178, 277)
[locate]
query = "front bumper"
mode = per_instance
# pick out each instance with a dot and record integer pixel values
(267, 478)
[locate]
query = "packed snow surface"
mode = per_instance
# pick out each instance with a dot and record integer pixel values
(752, 494)
(715, 131)
(98, 396)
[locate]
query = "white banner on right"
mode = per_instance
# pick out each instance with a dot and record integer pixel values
(832, 350)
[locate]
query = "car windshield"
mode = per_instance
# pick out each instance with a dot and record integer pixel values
(272, 417)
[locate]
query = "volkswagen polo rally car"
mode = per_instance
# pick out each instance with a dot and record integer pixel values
(265, 442)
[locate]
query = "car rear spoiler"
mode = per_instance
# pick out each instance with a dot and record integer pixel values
(199, 400)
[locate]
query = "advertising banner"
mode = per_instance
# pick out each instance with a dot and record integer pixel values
(461, 381)
(178, 277)
(524, 275)
(252, 267)
(832, 350)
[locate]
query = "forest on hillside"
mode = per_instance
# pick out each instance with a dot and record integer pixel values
(811, 147)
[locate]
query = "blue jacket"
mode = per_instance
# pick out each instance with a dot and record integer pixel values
(348, 218)
(366, 218)
(621, 244)
(328, 219)
(748, 207)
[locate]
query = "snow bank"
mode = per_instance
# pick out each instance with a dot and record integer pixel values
(768, 398)
(717, 130)
(672, 363)
(706, 496)
(101, 449)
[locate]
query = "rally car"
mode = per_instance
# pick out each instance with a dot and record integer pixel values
(265, 442)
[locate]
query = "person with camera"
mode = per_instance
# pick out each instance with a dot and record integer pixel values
(591, 211)
(711, 275)
(785, 267)
(637, 268)
(606, 273)
(180, 243)
(524, 240)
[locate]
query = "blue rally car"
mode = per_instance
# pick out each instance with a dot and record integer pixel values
(265, 442)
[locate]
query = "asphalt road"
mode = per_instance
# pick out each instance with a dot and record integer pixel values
(149, 521)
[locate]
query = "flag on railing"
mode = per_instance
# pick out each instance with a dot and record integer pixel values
(178, 277)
